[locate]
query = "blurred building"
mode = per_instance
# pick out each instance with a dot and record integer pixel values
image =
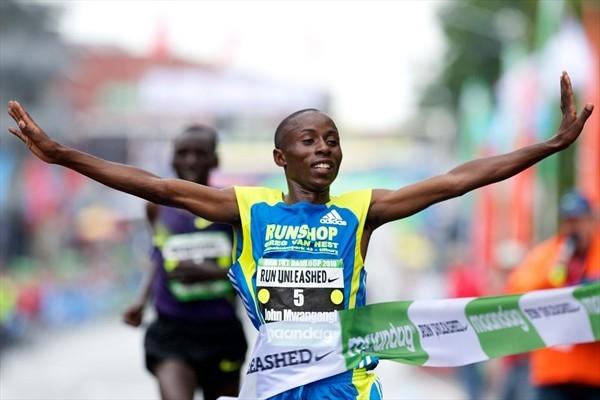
(114, 93)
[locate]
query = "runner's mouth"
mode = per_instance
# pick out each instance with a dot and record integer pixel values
(322, 165)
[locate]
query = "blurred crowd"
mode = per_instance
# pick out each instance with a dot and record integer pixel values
(56, 291)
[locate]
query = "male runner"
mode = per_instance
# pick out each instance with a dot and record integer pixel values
(300, 255)
(197, 339)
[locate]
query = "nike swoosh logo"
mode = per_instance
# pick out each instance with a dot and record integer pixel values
(332, 280)
(322, 356)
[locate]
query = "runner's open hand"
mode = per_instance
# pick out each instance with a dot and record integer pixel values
(571, 125)
(31, 134)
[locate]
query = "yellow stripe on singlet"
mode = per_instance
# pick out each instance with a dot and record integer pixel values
(358, 202)
(246, 198)
(363, 381)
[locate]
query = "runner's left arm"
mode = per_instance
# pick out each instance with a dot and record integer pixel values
(388, 205)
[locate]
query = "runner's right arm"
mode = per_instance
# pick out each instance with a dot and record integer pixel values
(213, 204)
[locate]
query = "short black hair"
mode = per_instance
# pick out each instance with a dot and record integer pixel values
(283, 125)
(201, 130)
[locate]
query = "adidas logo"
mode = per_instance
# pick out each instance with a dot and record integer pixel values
(333, 218)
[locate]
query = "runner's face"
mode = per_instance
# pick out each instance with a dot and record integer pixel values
(193, 158)
(312, 154)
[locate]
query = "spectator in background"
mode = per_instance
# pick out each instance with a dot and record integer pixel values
(569, 258)
(197, 339)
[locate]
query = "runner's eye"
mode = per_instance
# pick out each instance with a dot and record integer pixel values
(308, 141)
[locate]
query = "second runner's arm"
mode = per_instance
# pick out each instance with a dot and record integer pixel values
(134, 314)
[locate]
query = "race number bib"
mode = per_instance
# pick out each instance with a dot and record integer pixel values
(300, 290)
(199, 247)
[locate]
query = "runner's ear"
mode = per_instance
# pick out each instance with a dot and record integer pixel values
(279, 157)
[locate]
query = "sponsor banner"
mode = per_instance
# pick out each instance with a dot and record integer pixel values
(443, 328)
(291, 354)
(316, 335)
(557, 308)
(442, 333)
(382, 330)
(589, 297)
(501, 326)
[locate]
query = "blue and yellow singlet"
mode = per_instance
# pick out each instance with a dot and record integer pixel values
(303, 262)
(298, 262)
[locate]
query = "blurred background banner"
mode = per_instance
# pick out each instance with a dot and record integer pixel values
(415, 88)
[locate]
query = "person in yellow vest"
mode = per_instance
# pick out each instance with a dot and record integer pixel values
(571, 257)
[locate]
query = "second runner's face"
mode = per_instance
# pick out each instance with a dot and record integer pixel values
(193, 158)
(312, 153)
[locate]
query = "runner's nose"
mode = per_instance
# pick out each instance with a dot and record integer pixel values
(322, 147)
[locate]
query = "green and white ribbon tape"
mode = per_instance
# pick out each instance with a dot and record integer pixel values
(435, 333)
